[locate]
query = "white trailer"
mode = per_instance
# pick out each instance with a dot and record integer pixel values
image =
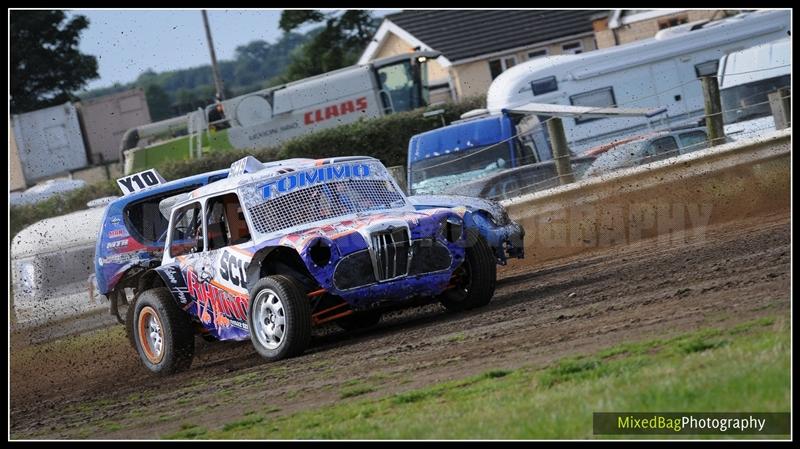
(660, 72)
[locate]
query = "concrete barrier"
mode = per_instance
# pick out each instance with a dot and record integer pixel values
(670, 199)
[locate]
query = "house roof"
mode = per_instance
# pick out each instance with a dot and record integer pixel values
(462, 34)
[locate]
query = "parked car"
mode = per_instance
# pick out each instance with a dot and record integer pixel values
(505, 184)
(649, 148)
(277, 248)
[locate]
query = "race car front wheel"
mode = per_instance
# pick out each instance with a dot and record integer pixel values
(473, 283)
(162, 333)
(279, 318)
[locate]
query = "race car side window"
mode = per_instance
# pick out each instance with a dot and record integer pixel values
(144, 220)
(225, 222)
(186, 230)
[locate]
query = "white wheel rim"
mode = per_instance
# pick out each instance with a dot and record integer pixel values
(269, 319)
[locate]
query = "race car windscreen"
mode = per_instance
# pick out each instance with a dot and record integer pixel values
(325, 201)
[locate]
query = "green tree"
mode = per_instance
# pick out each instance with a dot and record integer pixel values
(337, 45)
(158, 102)
(46, 66)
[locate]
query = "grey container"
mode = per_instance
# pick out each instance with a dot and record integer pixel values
(49, 142)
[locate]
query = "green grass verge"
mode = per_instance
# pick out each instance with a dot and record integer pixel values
(745, 368)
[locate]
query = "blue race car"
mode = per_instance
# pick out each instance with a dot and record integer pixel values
(275, 249)
(132, 233)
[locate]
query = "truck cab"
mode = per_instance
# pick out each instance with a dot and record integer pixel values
(471, 149)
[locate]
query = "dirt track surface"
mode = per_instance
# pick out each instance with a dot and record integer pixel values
(735, 272)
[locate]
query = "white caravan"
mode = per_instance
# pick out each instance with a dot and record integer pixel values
(660, 72)
(746, 78)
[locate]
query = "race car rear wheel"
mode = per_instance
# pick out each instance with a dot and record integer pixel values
(279, 318)
(162, 333)
(473, 283)
(359, 320)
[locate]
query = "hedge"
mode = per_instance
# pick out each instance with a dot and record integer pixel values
(385, 138)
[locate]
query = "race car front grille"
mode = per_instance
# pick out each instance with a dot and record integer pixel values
(358, 269)
(324, 201)
(390, 253)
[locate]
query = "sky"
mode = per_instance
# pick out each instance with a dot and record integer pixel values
(128, 42)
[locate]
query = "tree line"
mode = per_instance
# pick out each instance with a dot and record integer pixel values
(41, 37)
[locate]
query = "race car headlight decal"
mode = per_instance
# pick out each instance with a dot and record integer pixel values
(320, 252)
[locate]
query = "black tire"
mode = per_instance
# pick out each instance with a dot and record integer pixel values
(359, 320)
(119, 298)
(175, 330)
(129, 322)
(296, 316)
(476, 277)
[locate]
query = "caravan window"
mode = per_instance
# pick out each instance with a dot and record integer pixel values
(708, 68)
(600, 98)
(544, 85)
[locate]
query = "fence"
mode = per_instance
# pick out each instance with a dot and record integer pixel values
(562, 176)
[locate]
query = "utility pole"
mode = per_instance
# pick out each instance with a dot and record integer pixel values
(214, 66)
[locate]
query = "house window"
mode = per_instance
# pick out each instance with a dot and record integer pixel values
(498, 66)
(600, 98)
(672, 22)
(572, 48)
(537, 53)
